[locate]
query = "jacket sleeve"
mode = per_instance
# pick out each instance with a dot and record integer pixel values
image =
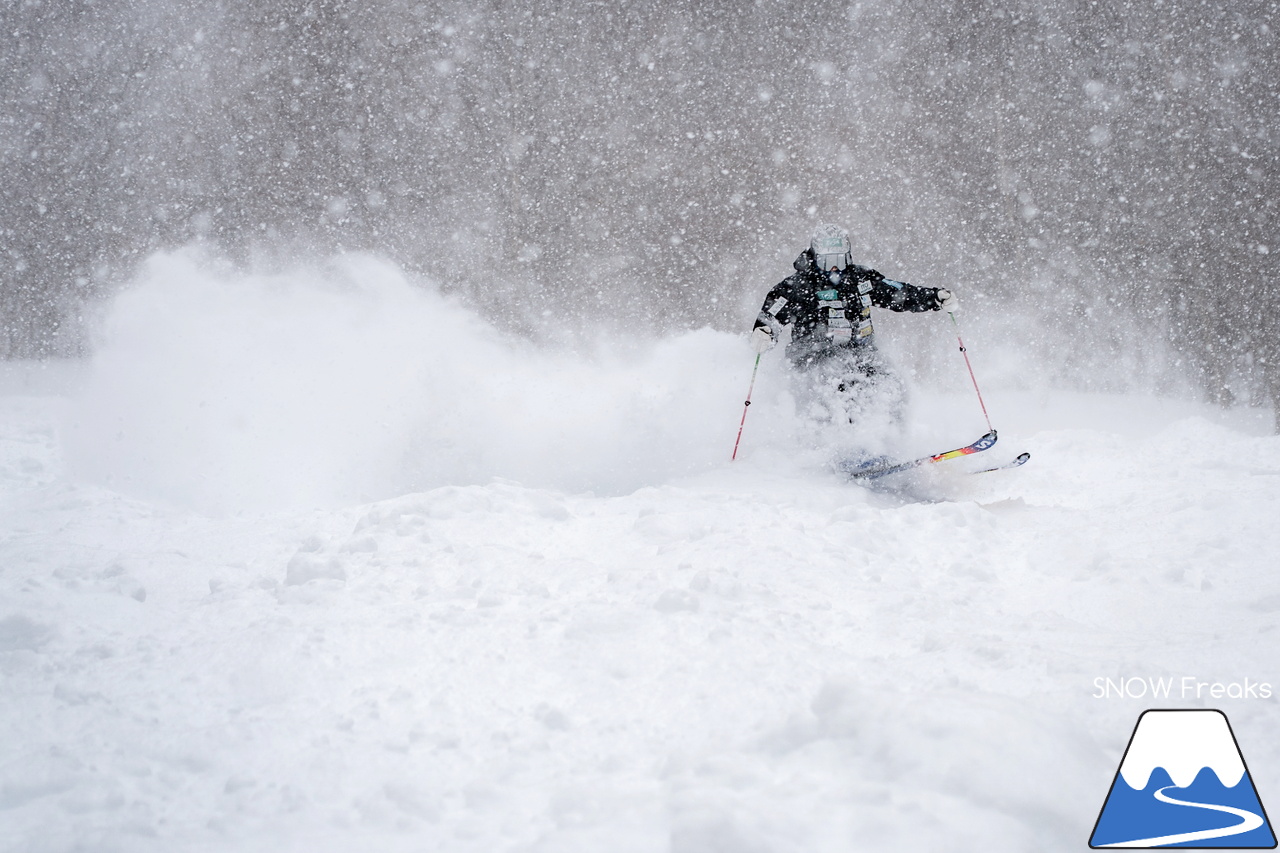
(778, 309)
(900, 296)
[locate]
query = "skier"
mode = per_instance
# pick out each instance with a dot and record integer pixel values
(827, 303)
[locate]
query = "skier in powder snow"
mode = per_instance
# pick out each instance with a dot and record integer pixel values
(827, 303)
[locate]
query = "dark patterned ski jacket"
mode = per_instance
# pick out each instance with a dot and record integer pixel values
(826, 317)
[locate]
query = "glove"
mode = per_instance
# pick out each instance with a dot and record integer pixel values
(762, 339)
(947, 300)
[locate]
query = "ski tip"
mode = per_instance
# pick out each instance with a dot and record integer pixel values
(1017, 462)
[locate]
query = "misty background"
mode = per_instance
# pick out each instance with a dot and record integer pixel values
(1101, 175)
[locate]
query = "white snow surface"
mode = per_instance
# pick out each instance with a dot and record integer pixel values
(324, 562)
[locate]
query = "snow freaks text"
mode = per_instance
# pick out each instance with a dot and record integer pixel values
(1186, 687)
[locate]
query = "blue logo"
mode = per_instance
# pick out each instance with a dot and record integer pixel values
(1183, 783)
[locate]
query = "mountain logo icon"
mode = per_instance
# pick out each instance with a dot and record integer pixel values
(1183, 783)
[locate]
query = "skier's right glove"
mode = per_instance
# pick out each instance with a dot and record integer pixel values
(947, 300)
(762, 339)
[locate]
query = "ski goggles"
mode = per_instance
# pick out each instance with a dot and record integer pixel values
(830, 262)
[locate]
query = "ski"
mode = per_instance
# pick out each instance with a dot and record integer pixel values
(866, 472)
(1016, 462)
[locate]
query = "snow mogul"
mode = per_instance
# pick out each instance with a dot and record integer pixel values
(840, 377)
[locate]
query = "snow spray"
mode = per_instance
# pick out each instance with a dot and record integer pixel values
(347, 383)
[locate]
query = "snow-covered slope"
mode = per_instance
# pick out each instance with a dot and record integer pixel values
(373, 577)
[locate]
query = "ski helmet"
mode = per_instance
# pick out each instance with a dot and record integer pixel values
(830, 245)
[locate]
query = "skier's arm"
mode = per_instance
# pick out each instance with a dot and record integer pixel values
(777, 310)
(900, 296)
(768, 325)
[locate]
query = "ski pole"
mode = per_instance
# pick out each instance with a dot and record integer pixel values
(974, 379)
(745, 406)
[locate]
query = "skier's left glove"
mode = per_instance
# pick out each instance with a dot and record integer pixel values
(762, 339)
(947, 300)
